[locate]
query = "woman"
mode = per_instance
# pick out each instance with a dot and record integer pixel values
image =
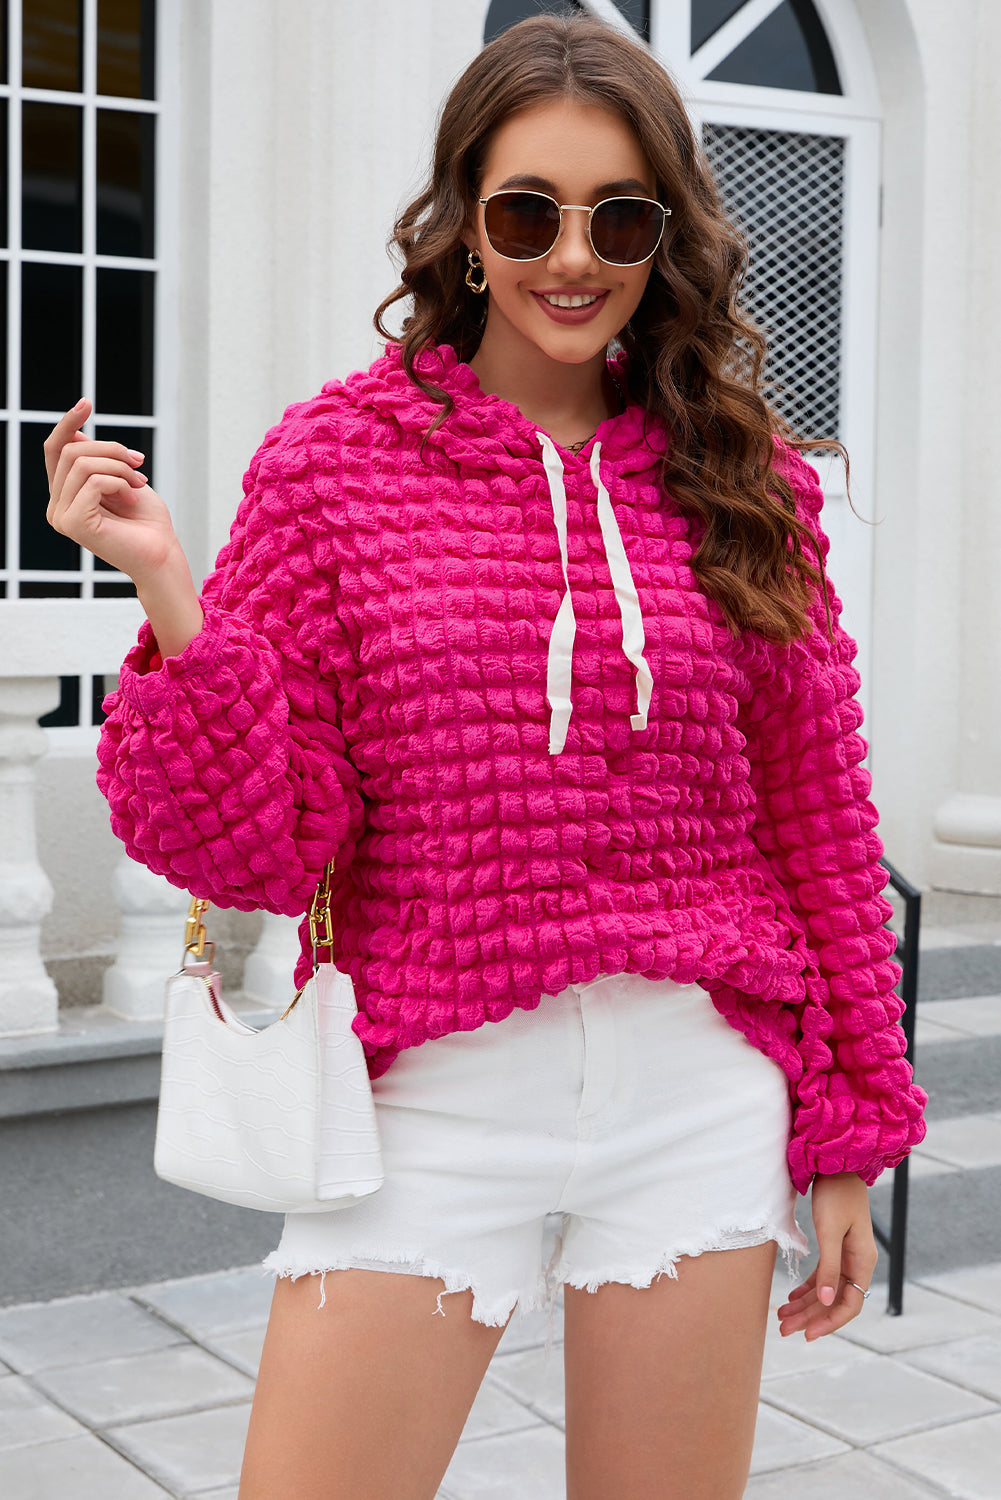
(536, 641)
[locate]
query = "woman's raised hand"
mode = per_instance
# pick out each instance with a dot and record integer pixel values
(99, 499)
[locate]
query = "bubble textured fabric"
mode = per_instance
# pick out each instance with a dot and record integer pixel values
(370, 683)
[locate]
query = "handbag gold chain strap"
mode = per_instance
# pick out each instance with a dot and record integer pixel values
(319, 928)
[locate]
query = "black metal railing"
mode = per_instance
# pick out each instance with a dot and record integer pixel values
(894, 1241)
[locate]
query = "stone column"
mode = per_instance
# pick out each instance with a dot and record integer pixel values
(966, 854)
(267, 975)
(28, 998)
(151, 946)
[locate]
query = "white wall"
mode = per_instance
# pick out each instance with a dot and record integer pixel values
(305, 126)
(936, 725)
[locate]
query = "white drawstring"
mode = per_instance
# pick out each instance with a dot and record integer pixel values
(633, 634)
(559, 671)
(560, 666)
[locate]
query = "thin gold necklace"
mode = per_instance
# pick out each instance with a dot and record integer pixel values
(576, 447)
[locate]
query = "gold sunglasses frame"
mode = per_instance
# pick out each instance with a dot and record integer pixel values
(585, 208)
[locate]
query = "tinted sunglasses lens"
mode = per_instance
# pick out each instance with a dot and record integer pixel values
(521, 226)
(626, 230)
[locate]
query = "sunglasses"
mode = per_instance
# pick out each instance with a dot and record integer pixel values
(524, 225)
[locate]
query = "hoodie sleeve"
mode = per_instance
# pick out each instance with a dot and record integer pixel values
(225, 767)
(855, 1107)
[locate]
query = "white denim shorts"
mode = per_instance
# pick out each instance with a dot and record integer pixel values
(627, 1114)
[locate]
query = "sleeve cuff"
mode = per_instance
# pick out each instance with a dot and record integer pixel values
(147, 681)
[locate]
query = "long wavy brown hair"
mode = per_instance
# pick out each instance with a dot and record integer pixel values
(694, 358)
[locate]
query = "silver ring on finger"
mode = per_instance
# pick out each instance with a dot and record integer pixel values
(865, 1294)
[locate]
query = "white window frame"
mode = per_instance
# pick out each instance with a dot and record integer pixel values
(82, 738)
(855, 115)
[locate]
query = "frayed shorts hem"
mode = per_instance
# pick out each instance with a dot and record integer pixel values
(790, 1246)
(495, 1312)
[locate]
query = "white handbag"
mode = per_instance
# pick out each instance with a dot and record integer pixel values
(279, 1118)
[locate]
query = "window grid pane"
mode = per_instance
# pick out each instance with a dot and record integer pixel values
(3, 174)
(125, 33)
(51, 170)
(125, 157)
(68, 711)
(789, 50)
(708, 16)
(125, 342)
(3, 351)
(503, 14)
(51, 326)
(51, 37)
(42, 549)
(637, 13)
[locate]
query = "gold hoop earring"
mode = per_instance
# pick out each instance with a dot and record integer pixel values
(476, 265)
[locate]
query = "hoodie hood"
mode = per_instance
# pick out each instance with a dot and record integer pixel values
(487, 433)
(485, 427)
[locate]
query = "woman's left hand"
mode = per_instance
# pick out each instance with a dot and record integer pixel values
(827, 1299)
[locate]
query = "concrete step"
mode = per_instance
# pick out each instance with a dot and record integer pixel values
(95, 1059)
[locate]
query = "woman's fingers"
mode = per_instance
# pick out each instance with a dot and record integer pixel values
(807, 1314)
(66, 446)
(808, 1311)
(801, 1299)
(83, 471)
(829, 1297)
(65, 431)
(99, 499)
(113, 458)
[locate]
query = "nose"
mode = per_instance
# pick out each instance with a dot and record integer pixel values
(573, 252)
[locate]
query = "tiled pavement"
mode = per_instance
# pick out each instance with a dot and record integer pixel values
(145, 1392)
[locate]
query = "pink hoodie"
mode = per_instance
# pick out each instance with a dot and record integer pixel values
(489, 683)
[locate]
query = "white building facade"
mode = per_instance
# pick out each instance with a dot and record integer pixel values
(209, 198)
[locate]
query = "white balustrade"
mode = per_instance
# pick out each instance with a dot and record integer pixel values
(151, 944)
(267, 975)
(28, 998)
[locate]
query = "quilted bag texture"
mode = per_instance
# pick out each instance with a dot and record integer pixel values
(280, 1119)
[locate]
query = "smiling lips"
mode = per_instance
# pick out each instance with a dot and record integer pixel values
(571, 307)
(566, 299)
